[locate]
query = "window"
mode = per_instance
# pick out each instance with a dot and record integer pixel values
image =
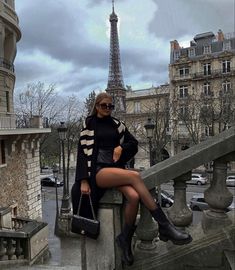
(176, 55)
(2, 152)
(184, 71)
(7, 101)
(207, 69)
(137, 107)
(226, 86)
(191, 52)
(226, 66)
(183, 112)
(207, 89)
(183, 91)
(208, 131)
(206, 49)
(227, 45)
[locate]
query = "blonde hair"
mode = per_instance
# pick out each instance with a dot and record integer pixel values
(98, 99)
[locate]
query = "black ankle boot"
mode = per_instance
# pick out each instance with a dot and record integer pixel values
(167, 231)
(124, 242)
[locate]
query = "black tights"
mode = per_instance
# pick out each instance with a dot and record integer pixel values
(131, 185)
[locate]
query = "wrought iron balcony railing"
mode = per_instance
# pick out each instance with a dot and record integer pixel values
(205, 75)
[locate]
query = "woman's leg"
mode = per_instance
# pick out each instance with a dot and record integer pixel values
(116, 177)
(132, 204)
(124, 239)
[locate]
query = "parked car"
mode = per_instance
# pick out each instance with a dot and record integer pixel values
(46, 169)
(50, 181)
(198, 203)
(197, 179)
(230, 180)
(167, 199)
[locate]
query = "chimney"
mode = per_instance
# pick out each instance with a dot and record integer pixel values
(220, 35)
(175, 45)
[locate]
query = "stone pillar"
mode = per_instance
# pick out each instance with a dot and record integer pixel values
(218, 197)
(147, 229)
(103, 253)
(179, 213)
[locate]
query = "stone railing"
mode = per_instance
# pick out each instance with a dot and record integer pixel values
(220, 149)
(25, 243)
(7, 122)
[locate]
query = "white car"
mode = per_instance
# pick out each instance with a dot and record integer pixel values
(197, 179)
(230, 180)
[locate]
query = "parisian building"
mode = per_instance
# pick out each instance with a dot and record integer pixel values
(19, 147)
(141, 105)
(202, 79)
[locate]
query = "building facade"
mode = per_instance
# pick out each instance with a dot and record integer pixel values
(141, 105)
(19, 148)
(202, 79)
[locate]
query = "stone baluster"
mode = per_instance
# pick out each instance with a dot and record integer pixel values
(179, 213)
(147, 229)
(218, 198)
(10, 248)
(19, 249)
(2, 248)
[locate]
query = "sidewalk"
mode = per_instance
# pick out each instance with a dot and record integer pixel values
(65, 252)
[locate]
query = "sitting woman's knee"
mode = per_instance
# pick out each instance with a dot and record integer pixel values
(133, 196)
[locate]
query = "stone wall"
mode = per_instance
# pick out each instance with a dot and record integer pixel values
(20, 178)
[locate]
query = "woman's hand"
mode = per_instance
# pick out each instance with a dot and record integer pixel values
(85, 187)
(117, 153)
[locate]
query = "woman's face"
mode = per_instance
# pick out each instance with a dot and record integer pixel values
(105, 107)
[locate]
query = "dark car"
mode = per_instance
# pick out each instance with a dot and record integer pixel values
(167, 199)
(50, 181)
(198, 203)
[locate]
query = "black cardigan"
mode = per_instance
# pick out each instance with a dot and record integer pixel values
(86, 162)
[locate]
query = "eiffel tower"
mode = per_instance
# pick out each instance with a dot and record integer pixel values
(115, 85)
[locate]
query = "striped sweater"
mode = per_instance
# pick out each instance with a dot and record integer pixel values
(86, 154)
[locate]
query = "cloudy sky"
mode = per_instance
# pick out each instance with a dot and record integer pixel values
(66, 42)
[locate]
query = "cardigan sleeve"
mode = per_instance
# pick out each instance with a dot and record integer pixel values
(81, 167)
(129, 147)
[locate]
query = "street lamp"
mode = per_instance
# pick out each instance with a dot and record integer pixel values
(55, 171)
(149, 127)
(65, 205)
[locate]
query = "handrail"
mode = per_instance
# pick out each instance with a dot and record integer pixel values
(211, 149)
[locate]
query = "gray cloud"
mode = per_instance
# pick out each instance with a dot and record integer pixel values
(57, 30)
(174, 19)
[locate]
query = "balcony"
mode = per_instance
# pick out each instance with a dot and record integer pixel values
(6, 64)
(217, 73)
(7, 122)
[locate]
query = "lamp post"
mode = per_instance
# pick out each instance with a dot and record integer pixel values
(149, 127)
(65, 205)
(55, 174)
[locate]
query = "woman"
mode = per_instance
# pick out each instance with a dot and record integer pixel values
(101, 136)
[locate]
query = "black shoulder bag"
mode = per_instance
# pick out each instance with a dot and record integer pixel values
(85, 226)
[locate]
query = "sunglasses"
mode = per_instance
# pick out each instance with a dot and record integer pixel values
(105, 106)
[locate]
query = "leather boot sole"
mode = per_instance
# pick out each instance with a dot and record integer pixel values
(165, 238)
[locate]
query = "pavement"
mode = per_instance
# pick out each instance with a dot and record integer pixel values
(65, 253)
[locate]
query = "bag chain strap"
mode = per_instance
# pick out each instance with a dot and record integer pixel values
(92, 209)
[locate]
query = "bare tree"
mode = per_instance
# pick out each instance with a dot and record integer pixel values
(37, 99)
